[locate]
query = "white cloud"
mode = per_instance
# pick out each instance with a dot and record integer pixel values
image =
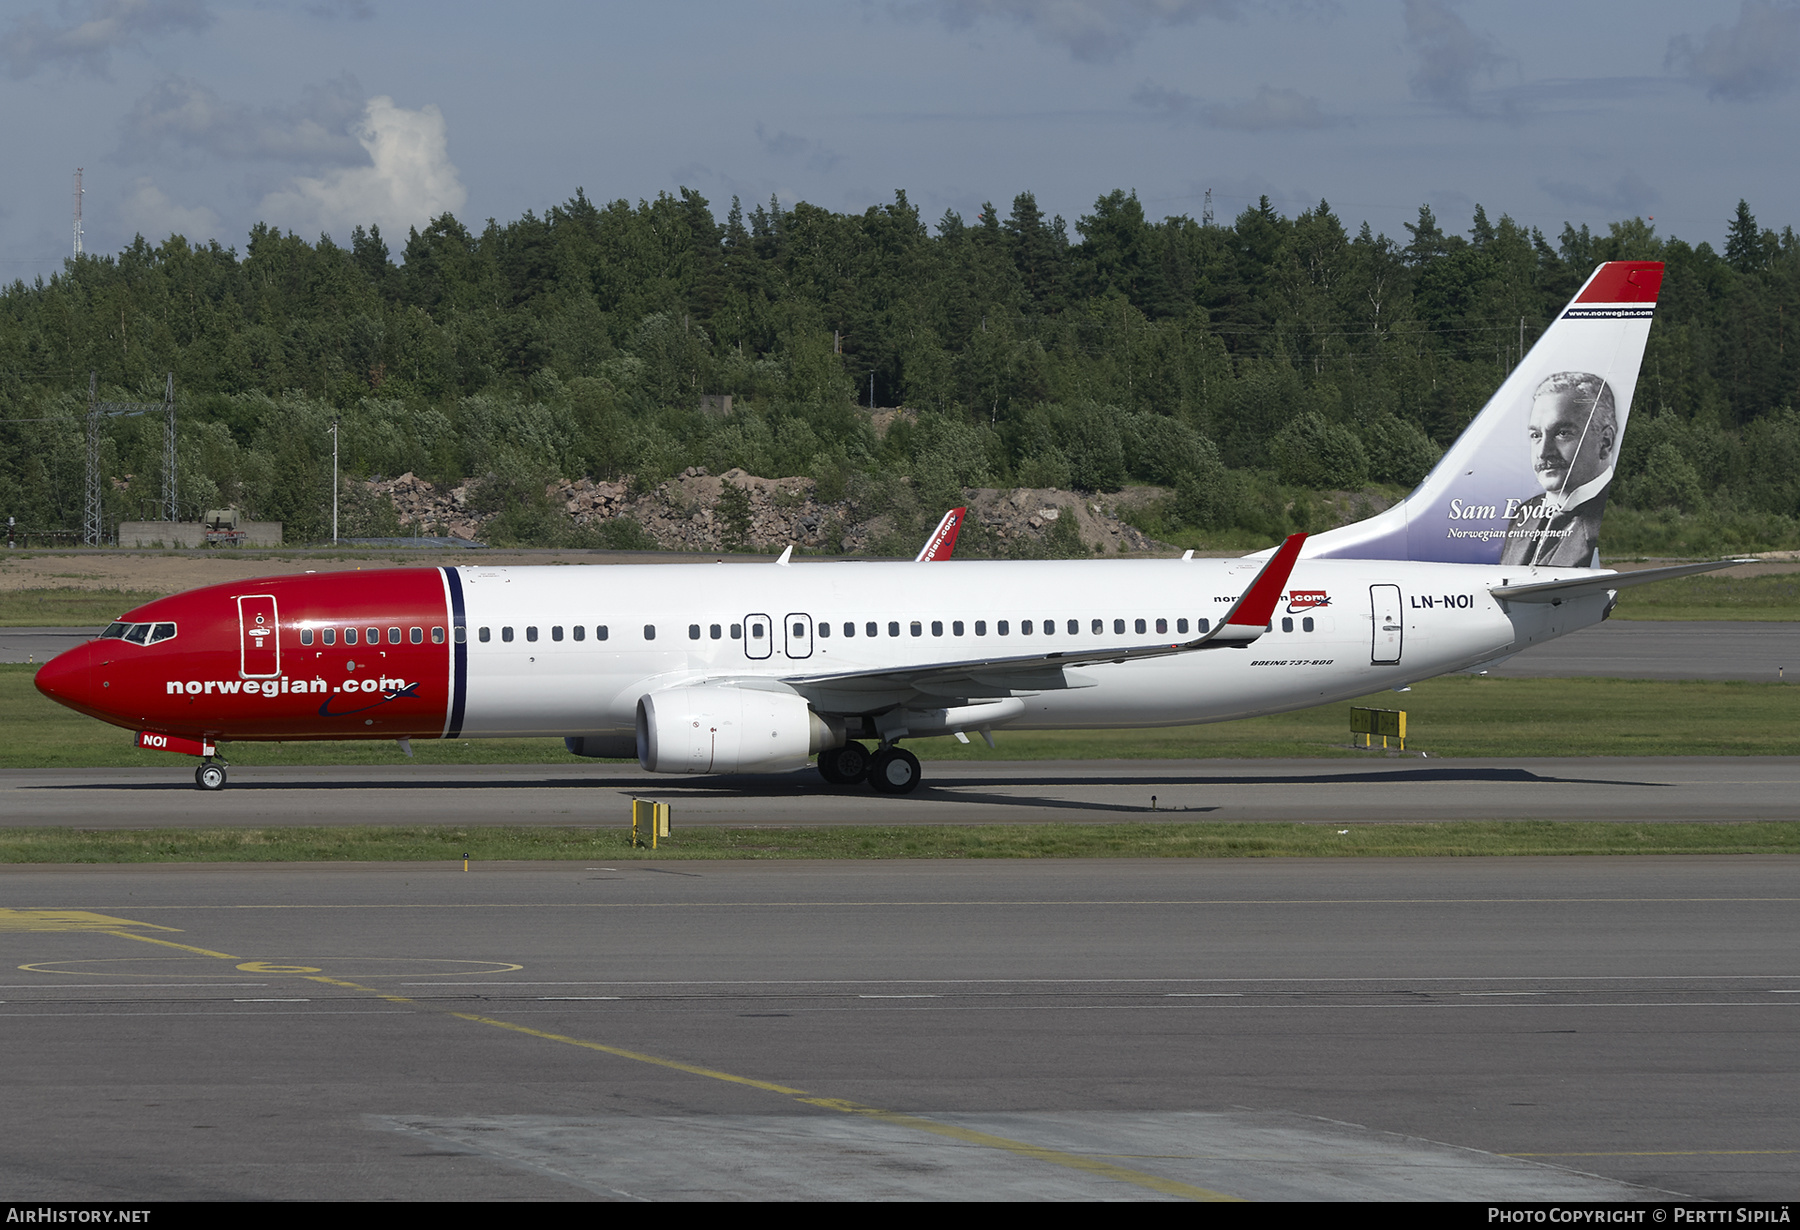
(1757, 57)
(409, 179)
(149, 212)
(88, 41)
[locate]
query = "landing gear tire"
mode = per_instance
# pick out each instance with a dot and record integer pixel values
(210, 777)
(844, 766)
(894, 771)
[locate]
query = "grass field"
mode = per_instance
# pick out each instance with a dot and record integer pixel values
(447, 845)
(67, 608)
(1459, 715)
(1769, 597)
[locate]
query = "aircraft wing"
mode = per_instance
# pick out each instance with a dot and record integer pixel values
(1247, 619)
(1586, 586)
(943, 539)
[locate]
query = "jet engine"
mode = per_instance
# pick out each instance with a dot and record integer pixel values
(729, 730)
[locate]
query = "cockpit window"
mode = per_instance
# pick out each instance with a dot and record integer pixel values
(138, 634)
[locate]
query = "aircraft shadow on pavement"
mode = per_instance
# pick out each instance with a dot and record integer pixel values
(806, 783)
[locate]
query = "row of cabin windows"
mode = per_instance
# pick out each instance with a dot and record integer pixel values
(372, 636)
(1002, 627)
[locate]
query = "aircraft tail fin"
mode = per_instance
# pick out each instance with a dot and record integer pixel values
(943, 539)
(1526, 483)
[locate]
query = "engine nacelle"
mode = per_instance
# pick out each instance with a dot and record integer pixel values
(728, 730)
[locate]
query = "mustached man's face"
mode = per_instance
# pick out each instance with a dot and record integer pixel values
(1565, 451)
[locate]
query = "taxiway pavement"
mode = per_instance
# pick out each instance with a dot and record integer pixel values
(993, 792)
(1470, 1029)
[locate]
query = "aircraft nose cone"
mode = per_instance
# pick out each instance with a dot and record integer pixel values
(67, 678)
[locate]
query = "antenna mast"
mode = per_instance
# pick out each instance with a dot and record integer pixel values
(77, 211)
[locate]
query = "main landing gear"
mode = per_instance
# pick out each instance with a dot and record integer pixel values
(891, 770)
(210, 776)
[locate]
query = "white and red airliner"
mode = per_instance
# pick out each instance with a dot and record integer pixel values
(704, 668)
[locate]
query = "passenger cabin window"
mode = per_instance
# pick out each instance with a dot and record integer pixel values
(506, 634)
(579, 632)
(714, 631)
(1205, 625)
(483, 635)
(824, 628)
(1002, 627)
(462, 634)
(849, 629)
(1024, 627)
(894, 627)
(1049, 627)
(737, 630)
(981, 627)
(374, 636)
(306, 636)
(1138, 626)
(1118, 627)
(556, 632)
(437, 636)
(1306, 625)
(1287, 624)
(600, 633)
(649, 632)
(1074, 627)
(416, 635)
(693, 632)
(871, 628)
(393, 636)
(349, 636)
(1099, 626)
(1181, 625)
(916, 628)
(531, 632)
(956, 627)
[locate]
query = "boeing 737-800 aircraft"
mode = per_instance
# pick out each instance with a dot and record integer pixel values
(702, 668)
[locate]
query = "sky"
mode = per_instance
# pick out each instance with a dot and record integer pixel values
(204, 117)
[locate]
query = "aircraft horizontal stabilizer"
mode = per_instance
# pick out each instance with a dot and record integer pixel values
(1583, 587)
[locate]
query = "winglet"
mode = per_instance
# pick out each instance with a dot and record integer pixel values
(943, 539)
(786, 555)
(1250, 615)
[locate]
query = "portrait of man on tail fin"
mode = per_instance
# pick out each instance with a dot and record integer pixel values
(1573, 437)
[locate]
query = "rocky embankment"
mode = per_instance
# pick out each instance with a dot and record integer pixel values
(694, 512)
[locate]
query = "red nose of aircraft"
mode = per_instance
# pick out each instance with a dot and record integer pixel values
(68, 679)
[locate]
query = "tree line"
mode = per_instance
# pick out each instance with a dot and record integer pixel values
(1245, 367)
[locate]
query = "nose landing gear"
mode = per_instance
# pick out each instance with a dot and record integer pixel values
(210, 776)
